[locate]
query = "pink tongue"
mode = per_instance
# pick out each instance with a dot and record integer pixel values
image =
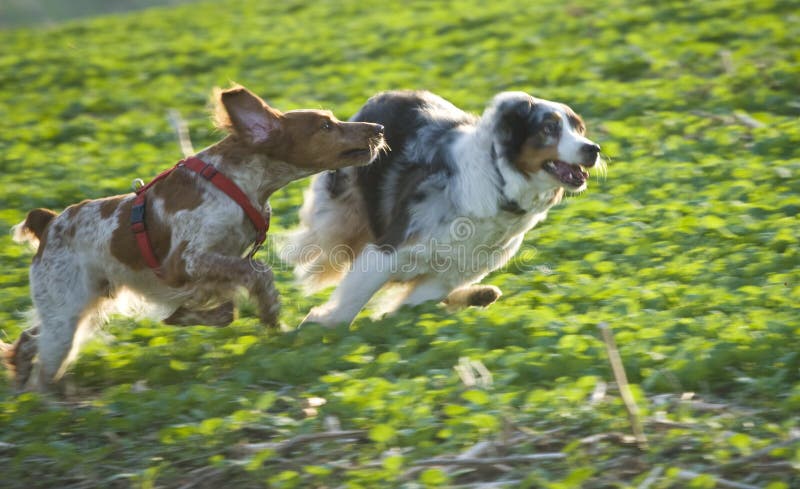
(569, 172)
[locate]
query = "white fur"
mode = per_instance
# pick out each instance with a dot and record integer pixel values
(68, 280)
(454, 238)
(21, 234)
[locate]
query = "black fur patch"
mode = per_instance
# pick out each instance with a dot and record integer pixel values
(521, 120)
(336, 182)
(402, 114)
(514, 126)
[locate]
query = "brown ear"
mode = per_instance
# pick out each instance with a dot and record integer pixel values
(244, 113)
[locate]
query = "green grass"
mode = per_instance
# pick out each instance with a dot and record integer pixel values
(688, 249)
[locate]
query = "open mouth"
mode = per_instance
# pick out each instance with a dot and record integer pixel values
(368, 153)
(357, 153)
(571, 175)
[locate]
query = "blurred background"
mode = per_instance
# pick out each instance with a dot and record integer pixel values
(687, 249)
(18, 13)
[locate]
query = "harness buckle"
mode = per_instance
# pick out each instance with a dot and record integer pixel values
(137, 185)
(209, 171)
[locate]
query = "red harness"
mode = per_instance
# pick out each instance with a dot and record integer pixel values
(210, 173)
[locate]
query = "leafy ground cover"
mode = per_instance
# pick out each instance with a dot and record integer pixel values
(688, 250)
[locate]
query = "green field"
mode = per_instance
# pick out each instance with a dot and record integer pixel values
(688, 249)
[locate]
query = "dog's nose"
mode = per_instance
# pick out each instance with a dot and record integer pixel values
(591, 151)
(379, 128)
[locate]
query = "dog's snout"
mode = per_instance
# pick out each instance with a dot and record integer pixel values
(590, 150)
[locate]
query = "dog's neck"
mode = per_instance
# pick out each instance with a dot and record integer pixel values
(515, 193)
(258, 175)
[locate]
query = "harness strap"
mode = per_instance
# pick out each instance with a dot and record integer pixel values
(140, 233)
(219, 180)
(216, 178)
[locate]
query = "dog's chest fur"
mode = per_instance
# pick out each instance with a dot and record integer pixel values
(465, 247)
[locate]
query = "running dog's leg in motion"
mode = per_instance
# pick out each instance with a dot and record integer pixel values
(221, 315)
(371, 270)
(473, 295)
(228, 272)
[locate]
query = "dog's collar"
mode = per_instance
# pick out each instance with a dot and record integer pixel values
(216, 178)
(506, 204)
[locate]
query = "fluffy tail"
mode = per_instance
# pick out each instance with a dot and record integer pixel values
(333, 230)
(33, 227)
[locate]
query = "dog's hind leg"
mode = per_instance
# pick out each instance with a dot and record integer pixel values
(61, 334)
(67, 303)
(370, 271)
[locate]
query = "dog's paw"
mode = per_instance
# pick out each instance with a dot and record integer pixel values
(268, 313)
(322, 316)
(484, 295)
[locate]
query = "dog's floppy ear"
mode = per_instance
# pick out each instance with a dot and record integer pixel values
(514, 122)
(242, 112)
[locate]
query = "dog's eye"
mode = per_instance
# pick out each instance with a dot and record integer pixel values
(550, 128)
(327, 126)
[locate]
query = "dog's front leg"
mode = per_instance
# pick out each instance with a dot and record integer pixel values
(221, 315)
(370, 271)
(228, 272)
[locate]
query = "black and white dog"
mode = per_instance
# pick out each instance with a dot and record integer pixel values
(450, 202)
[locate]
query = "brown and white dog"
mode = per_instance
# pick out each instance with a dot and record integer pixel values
(448, 204)
(87, 260)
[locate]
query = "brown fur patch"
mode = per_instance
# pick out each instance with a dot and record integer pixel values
(123, 242)
(531, 157)
(70, 222)
(315, 139)
(72, 210)
(109, 205)
(231, 149)
(179, 191)
(575, 120)
(37, 221)
(482, 296)
(219, 114)
(173, 269)
(18, 357)
(307, 139)
(304, 143)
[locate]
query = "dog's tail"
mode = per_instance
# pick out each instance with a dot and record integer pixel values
(33, 227)
(333, 230)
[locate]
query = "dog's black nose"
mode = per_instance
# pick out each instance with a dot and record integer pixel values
(591, 151)
(379, 128)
